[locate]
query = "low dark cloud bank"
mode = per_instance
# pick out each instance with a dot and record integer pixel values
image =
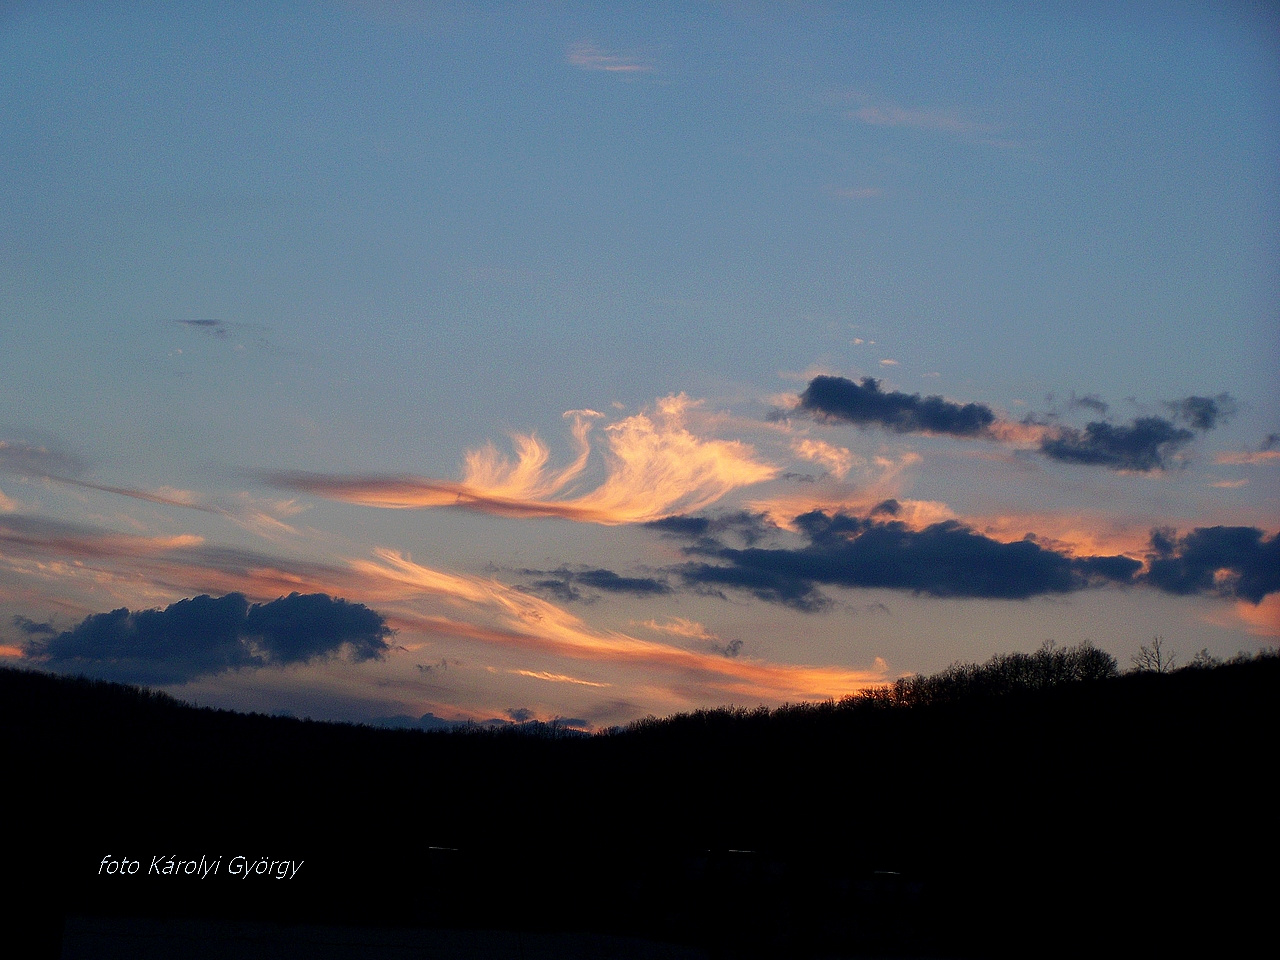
(865, 404)
(949, 559)
(943, 560)
(206, 635)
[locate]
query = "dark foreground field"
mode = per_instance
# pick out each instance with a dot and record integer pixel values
(1130, 815)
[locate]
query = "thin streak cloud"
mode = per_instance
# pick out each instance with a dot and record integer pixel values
(589, 56)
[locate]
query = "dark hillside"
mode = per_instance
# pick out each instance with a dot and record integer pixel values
(1129, 811)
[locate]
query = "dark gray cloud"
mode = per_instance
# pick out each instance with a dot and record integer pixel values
(1144, 445)
(749, 527)
(206, 635)
(1092, 402)
(945, 560)
(1234, 562)
(1272, 441)
(730, 649)
(865, 404)
(1204, 413)
(563, 583)
(33, 629)
(217, 328)
(949, 559)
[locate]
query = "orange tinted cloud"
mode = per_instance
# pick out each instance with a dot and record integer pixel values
(1247, 457)
(24, 535)
(490, 612)
(258, 516)
(655, 467)
(557, 678)
(837, 460)
(1262, 619)
(1075, 534)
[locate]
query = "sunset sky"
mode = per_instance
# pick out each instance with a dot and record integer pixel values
(602, 360)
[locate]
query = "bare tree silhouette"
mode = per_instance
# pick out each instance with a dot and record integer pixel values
(1154, 658)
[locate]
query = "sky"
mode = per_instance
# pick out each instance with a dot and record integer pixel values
(447, 361)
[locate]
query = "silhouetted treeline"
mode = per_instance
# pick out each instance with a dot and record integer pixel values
(1037, 804)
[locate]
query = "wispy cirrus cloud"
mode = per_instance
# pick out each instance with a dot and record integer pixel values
(695, 631)
(36, 462)
(655, 466)
(558, 678)
(586, 55)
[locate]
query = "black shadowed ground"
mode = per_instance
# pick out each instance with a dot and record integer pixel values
(1128, 814)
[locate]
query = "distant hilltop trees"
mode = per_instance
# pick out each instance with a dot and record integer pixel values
(1050, 666)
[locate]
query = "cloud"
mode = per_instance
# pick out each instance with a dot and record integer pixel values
(206, 635)
(37, 460)
(42, 538)
(866, 405)
(837, 460)
(693, 630)
(262, 517)
(589, 56)
(33, 629)
(503, 616)
(946, 559)
(67, 562)
(655, 467)
(1205, 413)
(216, 328)
(558, 678)
(1234, 562)
(1241, 458)
(562, 583)
(882, 113)
(750, 527)
(1092, 402)
(1261, 619)
(890, 549)
(1146, 444)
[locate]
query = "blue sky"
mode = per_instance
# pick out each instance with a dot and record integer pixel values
(286, 288)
